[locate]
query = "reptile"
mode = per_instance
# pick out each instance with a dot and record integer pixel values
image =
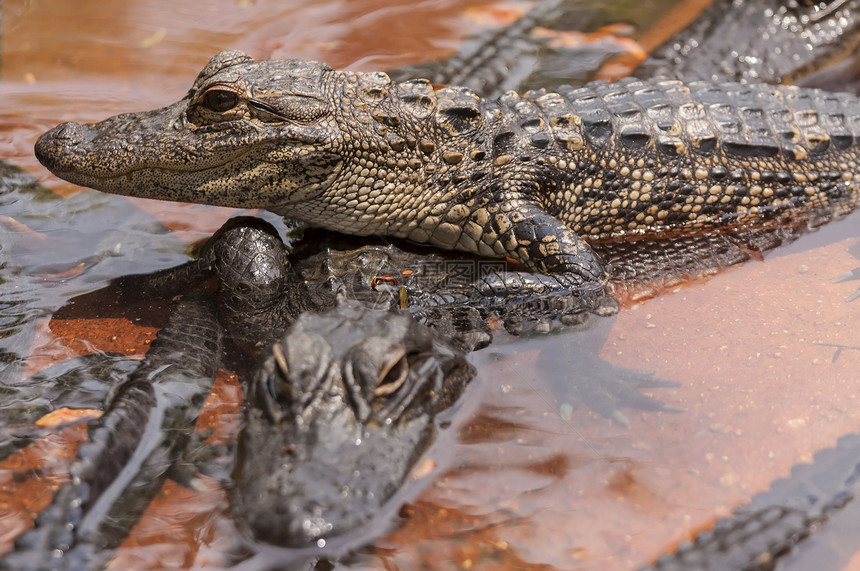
(262, 293)
(262, 290)
(369, 382)
(622, 246)
(140, 436)
(799, 41)
(757, 535)
(536, 177)
(347, 400)
(748, 41)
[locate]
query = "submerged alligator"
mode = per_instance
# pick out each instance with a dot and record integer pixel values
(370, 383)
(133, 445)
(748, 41)
(348, 400)
(764, 41)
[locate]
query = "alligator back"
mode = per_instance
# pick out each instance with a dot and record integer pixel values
(535, 177)
(642, 158)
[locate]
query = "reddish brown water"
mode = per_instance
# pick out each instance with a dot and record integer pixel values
(752, 347)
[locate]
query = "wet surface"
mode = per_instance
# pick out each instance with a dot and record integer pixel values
(767, 354)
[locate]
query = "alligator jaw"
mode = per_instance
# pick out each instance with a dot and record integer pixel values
(75, 153)
(334, 422)
(273, 149)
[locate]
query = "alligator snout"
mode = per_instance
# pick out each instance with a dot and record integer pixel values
(54, 148)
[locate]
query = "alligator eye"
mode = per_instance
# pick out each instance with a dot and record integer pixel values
(392, 375)
(220, 100)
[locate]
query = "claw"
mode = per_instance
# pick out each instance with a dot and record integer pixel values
(618, 417)
(847, 276)
(647, 380)
(672, 408)
(606, 389)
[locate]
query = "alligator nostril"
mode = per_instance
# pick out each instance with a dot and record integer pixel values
(69, 132)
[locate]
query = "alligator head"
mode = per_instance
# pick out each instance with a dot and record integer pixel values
(246, 134)
(336, 417)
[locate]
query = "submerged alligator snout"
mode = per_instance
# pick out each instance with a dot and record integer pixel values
(336, 418)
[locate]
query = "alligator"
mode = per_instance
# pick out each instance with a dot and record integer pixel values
(731, 232)
(370, 385)
(758, 534)
(257, 303)
(326, 379)
(804, 42)
(142, 433)
(813, 43)
(262, 292)
(368, 382)
(537, 177)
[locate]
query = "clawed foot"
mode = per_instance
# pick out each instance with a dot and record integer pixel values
(571, 364)
(528, 302)
(546, 313)
(604, 388)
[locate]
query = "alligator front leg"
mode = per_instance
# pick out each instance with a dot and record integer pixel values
(521, 230)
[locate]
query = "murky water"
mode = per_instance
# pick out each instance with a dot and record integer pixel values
(755, 349)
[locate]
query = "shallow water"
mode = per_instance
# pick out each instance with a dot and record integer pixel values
(755, 348)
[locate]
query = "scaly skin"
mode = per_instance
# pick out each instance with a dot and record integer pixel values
(769, 41)
(337, 416)
(385, 377)
(533, 177)
(132, 445)
(748, 41)
(758, 534)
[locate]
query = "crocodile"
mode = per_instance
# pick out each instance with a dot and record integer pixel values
(537, 177)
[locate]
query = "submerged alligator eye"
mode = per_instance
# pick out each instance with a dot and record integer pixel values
(220, 100)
